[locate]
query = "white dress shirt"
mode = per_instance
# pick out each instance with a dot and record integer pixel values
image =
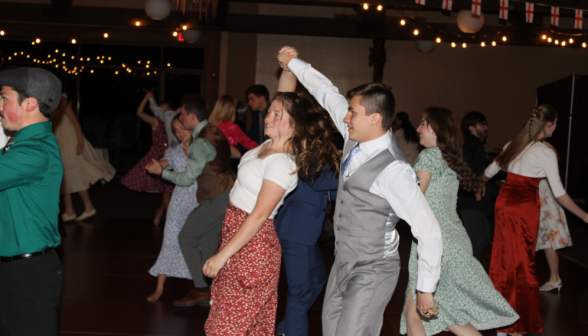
(536, 160)
(166, 117)
(396, 183)
(3, 137)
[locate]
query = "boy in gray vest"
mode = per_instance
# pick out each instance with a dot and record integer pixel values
(377, 187)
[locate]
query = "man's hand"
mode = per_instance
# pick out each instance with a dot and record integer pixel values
(285, 55)
(426, 304)
(154, 167)
(80, 148)
(481, 194)
(149, 95)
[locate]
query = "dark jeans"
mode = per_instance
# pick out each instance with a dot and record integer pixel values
(30, 291)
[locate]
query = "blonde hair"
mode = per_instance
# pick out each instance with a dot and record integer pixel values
(225, 108)
(536, 124)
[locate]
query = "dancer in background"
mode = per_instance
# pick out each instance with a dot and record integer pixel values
(406, 136)
(299, 224)
(377, 187)
(82, 167)
(170, 261)
(527, 159)
(465, 295)
(223, 117)
(553, 234)
(165, 113)
(137, 178)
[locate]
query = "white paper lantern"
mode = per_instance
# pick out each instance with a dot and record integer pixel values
(469, 23)
(157, 9)
(191, 35)
(425, 47)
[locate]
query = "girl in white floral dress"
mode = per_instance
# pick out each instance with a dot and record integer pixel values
(465, 296)
(553, 234)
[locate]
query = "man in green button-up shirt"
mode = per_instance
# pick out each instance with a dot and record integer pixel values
(30, 179)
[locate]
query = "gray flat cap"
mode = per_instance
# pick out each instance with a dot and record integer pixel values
(35, 82)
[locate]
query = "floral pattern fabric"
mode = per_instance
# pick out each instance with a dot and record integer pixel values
(183, 201)
(465, 294)
(553, 226)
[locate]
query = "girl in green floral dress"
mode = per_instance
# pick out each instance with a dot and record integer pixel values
(465, 296)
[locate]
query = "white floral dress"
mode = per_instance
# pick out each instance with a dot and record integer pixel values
(465, 294)
(553, 226)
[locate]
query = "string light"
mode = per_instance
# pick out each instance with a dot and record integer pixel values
(105, 35)
(415, 32)
(72, 57)
(494, 43)
(73, 41)
(38, 40)
(549, 40)
(366, 6)
(464, 45)
(102, 56)
(184, 27)
(504, 38)
(57, 65)
(101, 62)
(109, 58)
(175, 33)
(138, 23)
(147, 66)
(402, 22)
(81, 59)
(63, 54)
(15, 54)
(438, 40)
(148, 73)
(544, 37)
(97, 57)
(56, 51)
(584, 45)
(155, 72)
(148, 62)
(483, 44)
(116, 72)
(48, 56)
(453, 44)
(168, 64)
(556, 41)
(88, 59)
(138, 62)
(9, 58)
(63, 62)
(379, 8)
(28, 56)
(2, 32)
(54, 60)
(33, 43)
(571, 40)
(563, 43)
(92, 71)
(22, 52)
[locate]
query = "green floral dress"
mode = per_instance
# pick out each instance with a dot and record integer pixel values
(465, 294)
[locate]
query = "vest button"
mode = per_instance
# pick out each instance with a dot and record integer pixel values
(340, 215)
(341, 201)
(338, 229)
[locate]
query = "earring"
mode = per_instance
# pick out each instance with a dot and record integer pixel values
(434, 136)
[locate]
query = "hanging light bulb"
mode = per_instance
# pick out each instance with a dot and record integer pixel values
(402, 22)
(81, 59)
(379, 8)
(138, 62)
(101, 62)
(92, 71)
(147, 66)
(438, 40)
(88, 59)
(73, 41)
(365, 6)
(105, 35)
(38, 40)
(571, 40)
(175, 33)
(563, 43)
(72, 57)
(504, 38)
(56, 51)
(184, 27)
(549, 40)
(584, 45)
(63, 54)
(2, 32)
(109, 58)
(483, 44)
(556, 41)
(155, 72)
(544, 37)
(123, 65)
(494, 43)
(138, 23)
(464, 45)
(116, 72)
(32, 43)
(416, 32)
(453, 44)
(168, 64)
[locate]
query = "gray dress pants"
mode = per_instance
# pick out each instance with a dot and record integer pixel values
(201, 234)
(357, 294)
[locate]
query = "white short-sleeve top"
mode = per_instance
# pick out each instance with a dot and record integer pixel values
(536, 160)
(277, 168)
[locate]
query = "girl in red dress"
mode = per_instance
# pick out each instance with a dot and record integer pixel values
(138, 179)
(246, 269)
(527, 159)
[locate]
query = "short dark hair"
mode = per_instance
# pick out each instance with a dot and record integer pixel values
(258, 90)
(46, 110)
(471, 119)
(376, 98)
(195, 104)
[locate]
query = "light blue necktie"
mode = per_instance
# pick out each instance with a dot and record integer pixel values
(350, 157)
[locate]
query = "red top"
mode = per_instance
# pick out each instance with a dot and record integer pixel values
(235, 135)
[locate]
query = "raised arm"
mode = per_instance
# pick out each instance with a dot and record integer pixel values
(158, 111)
(319, 86)
(287, 82)
(151, 120)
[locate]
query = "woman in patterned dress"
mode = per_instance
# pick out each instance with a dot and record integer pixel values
(246, 268)
(553, 234)
(138, 179)
(171, 261)
(465, 297)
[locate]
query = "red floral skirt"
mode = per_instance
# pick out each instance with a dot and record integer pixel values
(512, 268)
(244, 295)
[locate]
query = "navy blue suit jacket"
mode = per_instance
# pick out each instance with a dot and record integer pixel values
(300, 219)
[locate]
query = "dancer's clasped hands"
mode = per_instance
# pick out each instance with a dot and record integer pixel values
(285, 55)
(426, 304)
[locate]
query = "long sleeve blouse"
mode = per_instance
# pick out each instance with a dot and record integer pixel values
(235, 135)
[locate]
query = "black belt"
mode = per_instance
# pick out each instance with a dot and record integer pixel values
(25, 256)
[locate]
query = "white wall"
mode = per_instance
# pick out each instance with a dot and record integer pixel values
(497, 81)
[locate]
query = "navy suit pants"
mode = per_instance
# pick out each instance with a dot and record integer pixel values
(306, 274)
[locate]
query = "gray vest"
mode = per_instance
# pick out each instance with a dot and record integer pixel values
(361, 218)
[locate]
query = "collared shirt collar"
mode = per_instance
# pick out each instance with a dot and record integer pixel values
(32, 130)
(199, 128)
(369, 147)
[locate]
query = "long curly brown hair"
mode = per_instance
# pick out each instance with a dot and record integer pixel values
(443, 124)
(312, 141)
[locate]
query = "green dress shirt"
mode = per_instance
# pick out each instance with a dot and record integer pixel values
(199, 153)
(30, 181)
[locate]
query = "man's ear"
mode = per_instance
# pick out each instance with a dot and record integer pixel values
(375, 119)
(472, 129)
(31, 104)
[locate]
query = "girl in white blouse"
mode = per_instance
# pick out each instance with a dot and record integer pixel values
(247, 266)
(527, 159)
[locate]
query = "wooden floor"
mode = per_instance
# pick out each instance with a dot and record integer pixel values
(106, 260)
